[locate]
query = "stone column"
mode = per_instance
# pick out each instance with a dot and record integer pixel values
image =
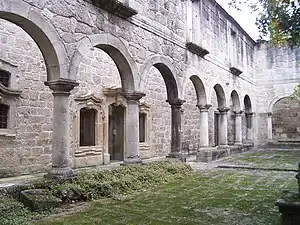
(176, 128)
(249, 118)
(270, 134)
(61, 161)
(132, 151)
(223, 126)
(204, 139)
(238, 139)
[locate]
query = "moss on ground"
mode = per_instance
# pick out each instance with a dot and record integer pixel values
(214, 197)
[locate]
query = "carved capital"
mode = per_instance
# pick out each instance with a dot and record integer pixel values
(238, 113)
(249, 114)
(175, 103)
(204, 108)
(133, 97)
(223, 110)
(61, 85)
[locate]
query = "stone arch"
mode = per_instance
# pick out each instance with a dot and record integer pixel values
(247, 104)
(43, 33)
(166, 70)
(286, 119)
(191, 75)
(116, 49)
(236, 105)
(220, 96)
(276, 99)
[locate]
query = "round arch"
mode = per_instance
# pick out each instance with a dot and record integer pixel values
(191, 75)
(43, 33)
(247, 104)
(116, 49)
(220, 96)
(236, 105)
(276, 99)
(166, 70)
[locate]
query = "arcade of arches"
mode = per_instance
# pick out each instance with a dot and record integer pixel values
(80, 89)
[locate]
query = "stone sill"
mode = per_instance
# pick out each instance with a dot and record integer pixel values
(7, 133)
(235, 71)
(144, 146)
(88, 150)
(115, 7)
(196, 49)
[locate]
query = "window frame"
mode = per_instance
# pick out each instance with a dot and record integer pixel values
(8, 84)
(84, 113)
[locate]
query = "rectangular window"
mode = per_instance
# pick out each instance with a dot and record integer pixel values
(3, 116)
(4, 78)
(142, 130)
(87, 127)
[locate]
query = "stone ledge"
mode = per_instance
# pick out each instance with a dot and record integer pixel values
(115, 7)
(196, 49)
(235, 71)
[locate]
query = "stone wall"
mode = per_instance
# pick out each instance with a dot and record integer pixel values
(190, 121)
(26, 147)
(286, 119)
(277, 72)
(159, 29)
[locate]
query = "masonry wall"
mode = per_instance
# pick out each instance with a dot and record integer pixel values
(277, 73)
(160, 28)
(286, 119)
(26, 147)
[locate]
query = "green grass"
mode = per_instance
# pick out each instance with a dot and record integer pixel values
(271, 159)
(215, 197)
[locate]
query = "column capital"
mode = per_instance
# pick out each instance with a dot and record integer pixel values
(270, 114)
(133, 97)
(204, 108)
(223, 110)
(176, 103)
(238, 113)
(249, 114)
(61, 86)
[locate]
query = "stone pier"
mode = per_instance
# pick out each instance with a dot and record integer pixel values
(61, 157)
(132, 151)
(238, 128)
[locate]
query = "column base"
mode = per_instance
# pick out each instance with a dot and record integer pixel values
(132, 161)
(238, 144)
(61, 174)
(106, 158)
(177, 155)
(204, 154)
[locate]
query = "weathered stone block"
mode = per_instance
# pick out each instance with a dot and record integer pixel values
(39, 199)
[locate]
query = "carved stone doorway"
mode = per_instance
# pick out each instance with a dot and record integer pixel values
(116, 132)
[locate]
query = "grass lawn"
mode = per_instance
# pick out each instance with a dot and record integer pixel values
(272, 159)
(214, 197)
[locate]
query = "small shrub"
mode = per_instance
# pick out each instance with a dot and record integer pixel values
(123, 180)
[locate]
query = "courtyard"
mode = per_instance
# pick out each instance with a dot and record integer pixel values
(228, 195)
